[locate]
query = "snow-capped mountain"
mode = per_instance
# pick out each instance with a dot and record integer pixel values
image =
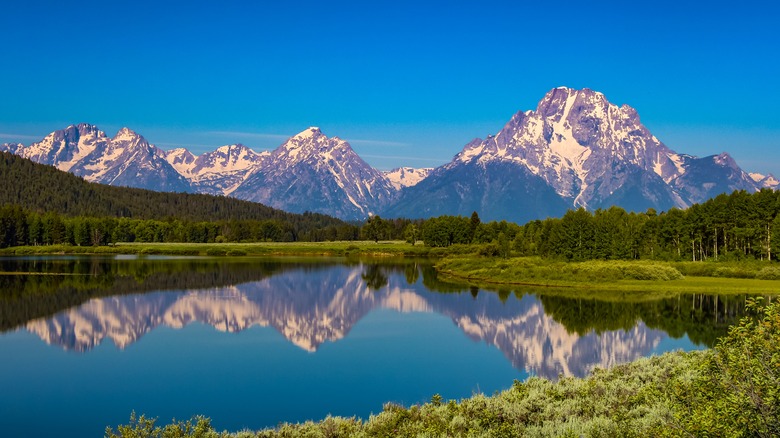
(218, 172)
(407, 176)
(125, 160)
(575, 150)
(311, 172)
(768, 181)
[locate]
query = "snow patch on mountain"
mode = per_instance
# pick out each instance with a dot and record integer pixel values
(407, 176)
(765, 181)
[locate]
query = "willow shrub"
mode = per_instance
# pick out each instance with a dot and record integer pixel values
(738, 391)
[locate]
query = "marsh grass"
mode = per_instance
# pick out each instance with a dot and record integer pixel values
(598, 276)
(389, 248)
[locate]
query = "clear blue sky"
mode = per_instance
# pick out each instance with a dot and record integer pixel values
(407, 83)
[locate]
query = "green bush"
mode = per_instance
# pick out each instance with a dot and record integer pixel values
(737, 391)
(769, 273)
(734, 272)
(490, 250)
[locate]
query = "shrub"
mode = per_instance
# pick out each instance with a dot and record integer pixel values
(737, 392)
(769, 273)
(733, 272)
(490, 250)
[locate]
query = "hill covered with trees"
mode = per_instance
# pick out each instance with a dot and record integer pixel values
(43, 205)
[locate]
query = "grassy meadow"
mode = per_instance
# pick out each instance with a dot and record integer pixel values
(666, 278)
(342, 248)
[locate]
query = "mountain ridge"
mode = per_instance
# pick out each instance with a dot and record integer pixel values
(576, 149)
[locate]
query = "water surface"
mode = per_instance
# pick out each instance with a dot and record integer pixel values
(255, 342)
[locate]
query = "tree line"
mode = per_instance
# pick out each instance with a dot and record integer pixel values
(43, 188)
(734, 226)
(19, 227)
(60, 208)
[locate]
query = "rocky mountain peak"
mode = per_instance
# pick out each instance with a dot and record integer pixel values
(725, 160)
(311, 131)
(311, 145)
(85, 130)
(12, 148)
(765, 181)
(237, 148)
(126, 134)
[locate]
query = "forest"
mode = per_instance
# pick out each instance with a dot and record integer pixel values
(732, 226)
(42, 206)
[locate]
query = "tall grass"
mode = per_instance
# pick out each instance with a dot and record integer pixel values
(534, 270)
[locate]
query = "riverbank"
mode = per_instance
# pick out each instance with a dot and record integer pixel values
(461, 264)
(341, 248)
(614, 275)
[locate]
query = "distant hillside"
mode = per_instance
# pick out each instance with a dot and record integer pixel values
(43, 188)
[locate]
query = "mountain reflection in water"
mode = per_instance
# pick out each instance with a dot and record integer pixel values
(312, 302)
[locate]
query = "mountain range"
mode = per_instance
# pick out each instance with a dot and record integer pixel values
(576, 149)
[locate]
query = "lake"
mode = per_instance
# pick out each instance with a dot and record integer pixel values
(252, 342)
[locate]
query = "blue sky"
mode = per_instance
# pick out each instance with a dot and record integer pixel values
(407, 83)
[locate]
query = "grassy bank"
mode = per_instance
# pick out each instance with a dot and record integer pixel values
(731, 390)
(382, 248)
(598, 275)
(461, 264)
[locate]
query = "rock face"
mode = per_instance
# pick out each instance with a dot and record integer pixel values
(125, 160)
(575, 150)
(407, 176)
(219, 172)
(497, 190)
(311, 172)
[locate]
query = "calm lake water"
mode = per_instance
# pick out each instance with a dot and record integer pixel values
(251, 343)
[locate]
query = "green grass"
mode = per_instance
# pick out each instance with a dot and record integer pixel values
(389, 248)
(599, 277)
(461, 264)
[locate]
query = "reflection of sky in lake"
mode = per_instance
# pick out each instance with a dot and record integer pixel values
(304, 343)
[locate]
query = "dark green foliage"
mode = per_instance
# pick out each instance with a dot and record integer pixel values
(737, 391)
(57, 207)
(446, 230)
(738, 226)
(411, 234)
(375, 229)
